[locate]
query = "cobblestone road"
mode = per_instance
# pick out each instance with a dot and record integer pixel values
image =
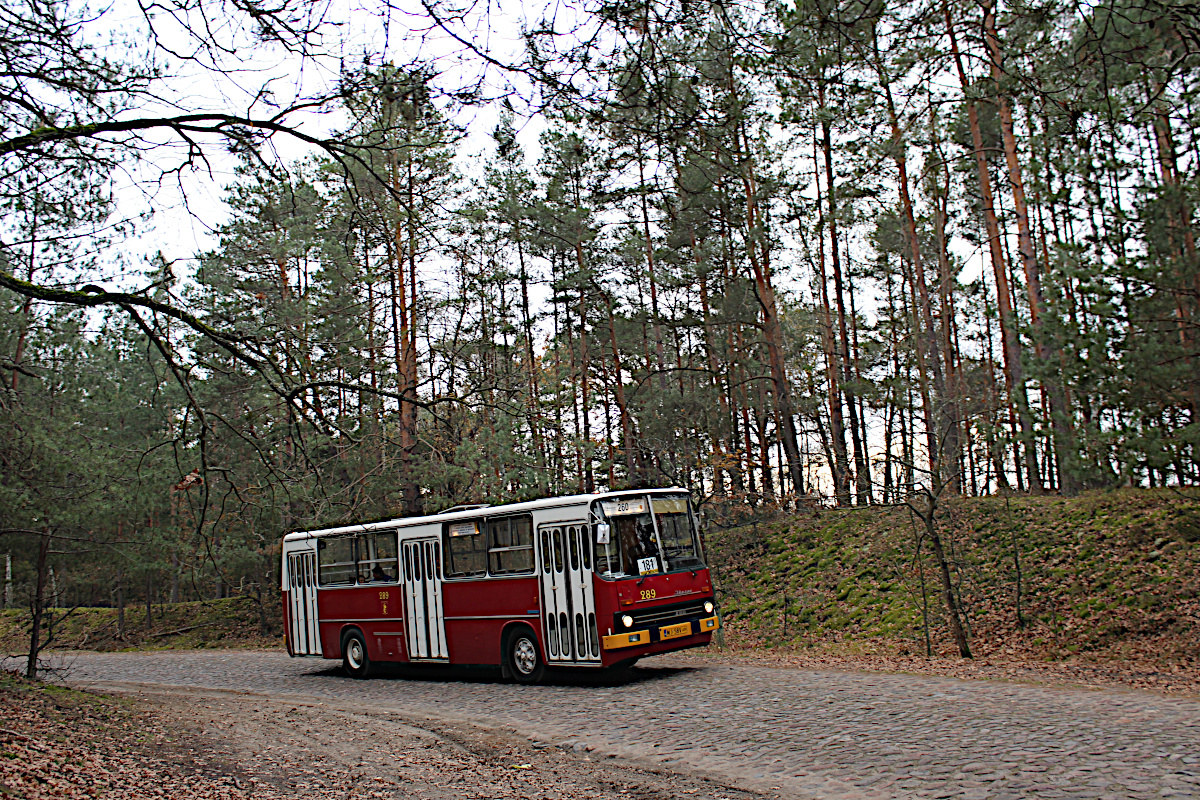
(810, 734)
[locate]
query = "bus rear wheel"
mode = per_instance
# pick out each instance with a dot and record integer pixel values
(522, 657)
(355, 660)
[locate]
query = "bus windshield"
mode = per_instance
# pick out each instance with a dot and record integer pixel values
(646, 536)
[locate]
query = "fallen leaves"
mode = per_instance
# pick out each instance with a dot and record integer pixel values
(63, 745)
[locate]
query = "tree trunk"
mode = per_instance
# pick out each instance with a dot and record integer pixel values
(38, 607)
(756, 249)
(938, 418)
(835, 264)
(840, 466)
(1064, 438)
(928, 516)
(1014, 373)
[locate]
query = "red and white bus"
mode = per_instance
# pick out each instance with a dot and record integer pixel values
(591, 580)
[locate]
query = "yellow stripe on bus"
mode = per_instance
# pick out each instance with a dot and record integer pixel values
(618, 640)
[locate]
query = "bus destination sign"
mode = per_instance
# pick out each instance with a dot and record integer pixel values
(620, 508)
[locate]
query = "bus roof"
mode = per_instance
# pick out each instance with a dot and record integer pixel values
(475, 511)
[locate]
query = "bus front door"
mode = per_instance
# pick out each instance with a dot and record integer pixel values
(568, 599)
(302, 597)
(424, 617)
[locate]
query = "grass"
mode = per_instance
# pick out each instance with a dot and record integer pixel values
(1104, 576)
(231, 622)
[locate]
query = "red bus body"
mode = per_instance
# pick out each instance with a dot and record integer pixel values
(462, 587)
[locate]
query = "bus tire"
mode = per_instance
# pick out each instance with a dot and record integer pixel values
(522, 658)
(355, 661)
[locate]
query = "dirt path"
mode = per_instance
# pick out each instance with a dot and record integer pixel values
(273, 747)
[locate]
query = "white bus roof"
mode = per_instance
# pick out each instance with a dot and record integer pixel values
(475, 511)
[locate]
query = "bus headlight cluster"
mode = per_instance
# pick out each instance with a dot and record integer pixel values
(708, 606)
(627, 620)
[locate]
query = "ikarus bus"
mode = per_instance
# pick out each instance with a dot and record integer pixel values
(589, 581)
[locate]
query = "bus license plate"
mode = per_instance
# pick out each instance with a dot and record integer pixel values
(675, 631)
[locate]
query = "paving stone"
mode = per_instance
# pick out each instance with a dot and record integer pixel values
(828, 735)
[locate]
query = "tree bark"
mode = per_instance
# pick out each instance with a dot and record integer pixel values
(1048, 354)
(38, 607)
(1014, 373)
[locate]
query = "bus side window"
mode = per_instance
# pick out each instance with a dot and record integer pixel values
(546, 550)
(573, 547)
(466, 550)
(510, 545)
(585, 545)
(377, 561)
(336, 561)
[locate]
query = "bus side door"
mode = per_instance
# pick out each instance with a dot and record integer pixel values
(424, 616)
(304, 630)
(568, 597)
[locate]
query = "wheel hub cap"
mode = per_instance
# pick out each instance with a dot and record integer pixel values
(525, 656)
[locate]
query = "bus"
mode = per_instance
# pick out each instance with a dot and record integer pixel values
(588, 581)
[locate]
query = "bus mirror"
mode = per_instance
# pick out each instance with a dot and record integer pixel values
(602, 533)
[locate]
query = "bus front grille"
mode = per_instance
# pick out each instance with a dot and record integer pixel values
(666, 614)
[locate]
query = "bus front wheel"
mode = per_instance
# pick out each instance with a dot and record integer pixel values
(355, 660)
(524, 661)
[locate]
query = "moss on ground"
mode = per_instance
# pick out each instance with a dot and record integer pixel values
(1106, 576)
(230, 622)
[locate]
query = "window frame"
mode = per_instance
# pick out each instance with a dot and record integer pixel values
(323, 546)
(449, 554)
(492, 547)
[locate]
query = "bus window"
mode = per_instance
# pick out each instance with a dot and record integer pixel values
(585, 546)
(637, 529)
(466, 550)
(510, 545)
(608, 558)
(557, 535)
(377, 559)
(546, 551)
(336, 560)
(573, 547)
(675, 532)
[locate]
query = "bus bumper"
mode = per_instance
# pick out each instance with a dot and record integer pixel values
(665, 633)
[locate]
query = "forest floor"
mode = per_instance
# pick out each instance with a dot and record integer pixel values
(183, 744)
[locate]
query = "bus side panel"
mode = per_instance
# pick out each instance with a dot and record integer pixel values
(478, 610)
(287, 623)
(607, 606)
(375, 609)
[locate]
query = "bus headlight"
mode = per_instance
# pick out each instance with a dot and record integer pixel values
(627, 620)
(708, 606)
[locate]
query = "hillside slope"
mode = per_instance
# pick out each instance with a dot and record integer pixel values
(231, 622)
(1100, 577)
(1105, 577)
